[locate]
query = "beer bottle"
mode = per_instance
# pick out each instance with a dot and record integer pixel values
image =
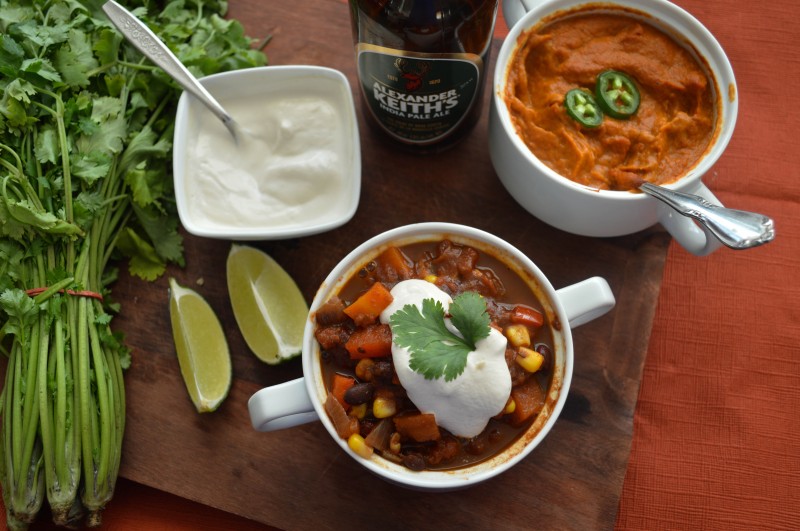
(421, 66)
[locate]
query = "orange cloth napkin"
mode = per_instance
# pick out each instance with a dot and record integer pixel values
(716, 430)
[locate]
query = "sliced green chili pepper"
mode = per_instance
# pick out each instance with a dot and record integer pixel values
(617, 94)
(583, 108)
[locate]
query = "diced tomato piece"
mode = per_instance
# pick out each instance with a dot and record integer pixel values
(527, 316)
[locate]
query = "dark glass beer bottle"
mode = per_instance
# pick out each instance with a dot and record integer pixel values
(422, 66)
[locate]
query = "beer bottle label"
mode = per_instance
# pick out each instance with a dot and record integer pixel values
(418, 98)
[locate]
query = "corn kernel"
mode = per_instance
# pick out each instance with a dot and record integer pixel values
(394, 443)
(383, 407)
(357, 443)
(431, 278)
(359, 411)
(518, 335)
(529, 359)
(510, 406)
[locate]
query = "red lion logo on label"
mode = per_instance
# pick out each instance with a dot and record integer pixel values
(413, 78)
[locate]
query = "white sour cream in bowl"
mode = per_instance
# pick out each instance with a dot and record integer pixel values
(294, 168)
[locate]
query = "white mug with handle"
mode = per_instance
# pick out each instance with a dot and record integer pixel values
(576, 208)
(301, 400)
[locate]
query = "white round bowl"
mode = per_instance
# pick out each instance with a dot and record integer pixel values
(258, 85)
(302, 400)
(580, 209)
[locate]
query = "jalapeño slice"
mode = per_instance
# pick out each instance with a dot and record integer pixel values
(617, 94)
(582, 107)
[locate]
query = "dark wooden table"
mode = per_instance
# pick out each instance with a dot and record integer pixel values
(715, 427)
(298, 478)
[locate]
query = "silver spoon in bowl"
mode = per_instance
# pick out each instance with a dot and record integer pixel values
(154, 49)
(737, 229)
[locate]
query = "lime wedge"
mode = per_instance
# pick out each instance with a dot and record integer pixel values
(269, 307)
(202, 350)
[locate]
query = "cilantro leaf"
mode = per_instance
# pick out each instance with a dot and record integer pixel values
(76, 60)
(11, 54)
(21, 312)
(162, 229)
(435, 350)
(46, 146)
(468, 315)
(144, 261)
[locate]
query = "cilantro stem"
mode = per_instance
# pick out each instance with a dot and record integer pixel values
(85, 142)
(52, 290)
(65, 165)
(13, 169)
(138, 66)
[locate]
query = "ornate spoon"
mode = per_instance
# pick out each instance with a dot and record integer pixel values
(737, 229)
(154, 49)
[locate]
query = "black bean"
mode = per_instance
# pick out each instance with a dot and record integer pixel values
(383, 370)
(476, 445)
(414, 462)
(545, 351)
(360, 393)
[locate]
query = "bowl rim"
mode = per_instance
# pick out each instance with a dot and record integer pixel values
(264, 74)
(442, 480)
(662, 14)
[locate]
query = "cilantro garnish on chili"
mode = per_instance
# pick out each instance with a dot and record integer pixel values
(435, 350)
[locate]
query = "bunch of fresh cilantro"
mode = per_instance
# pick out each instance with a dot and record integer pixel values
(85, 156)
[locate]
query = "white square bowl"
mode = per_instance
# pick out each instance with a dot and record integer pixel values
(219, 210)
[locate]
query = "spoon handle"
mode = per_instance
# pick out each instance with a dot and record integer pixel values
(154, 49)
(738, 229)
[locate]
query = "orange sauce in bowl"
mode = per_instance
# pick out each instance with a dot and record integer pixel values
(675, 124)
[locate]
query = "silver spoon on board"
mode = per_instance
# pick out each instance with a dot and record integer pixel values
(154, 49)
(737, 229)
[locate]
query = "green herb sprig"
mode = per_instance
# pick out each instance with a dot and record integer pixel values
(436, 351)
(86, 125)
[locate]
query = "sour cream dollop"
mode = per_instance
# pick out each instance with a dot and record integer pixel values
(465, 405)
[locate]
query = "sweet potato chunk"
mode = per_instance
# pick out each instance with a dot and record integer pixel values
(529, 398)
(374, 341)
(339, 387)
(420, 427)
(368, 307)
(394, 266)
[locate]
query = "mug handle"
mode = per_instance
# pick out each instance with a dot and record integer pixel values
(692, 236)
(281, 406)
(513, 10)
(587, 300)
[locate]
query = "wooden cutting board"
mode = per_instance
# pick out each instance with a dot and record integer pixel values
(299, 478)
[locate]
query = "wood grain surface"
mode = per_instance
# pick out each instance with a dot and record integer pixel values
(299, 478)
